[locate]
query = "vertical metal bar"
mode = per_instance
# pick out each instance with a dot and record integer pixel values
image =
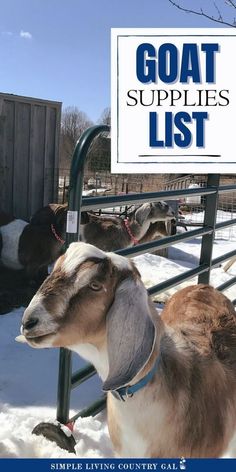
(209, 220)
(74, 204)
(64, 386)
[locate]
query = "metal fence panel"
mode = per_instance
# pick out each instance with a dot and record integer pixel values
(76, 203)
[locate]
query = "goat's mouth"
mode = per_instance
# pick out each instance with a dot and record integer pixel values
(170, 215)
(37, 339)
(164, 218)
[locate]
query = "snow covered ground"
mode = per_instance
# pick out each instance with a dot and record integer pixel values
(226, 233)
(28, 385)
(182, 257)
(28, 377)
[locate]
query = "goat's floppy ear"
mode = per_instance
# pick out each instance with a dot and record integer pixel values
(130, 334)
(51, 213)
(142, 213)
(60, 212)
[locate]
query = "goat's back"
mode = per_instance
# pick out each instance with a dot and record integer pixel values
(106, 233)
(206, 319)
(202, 322)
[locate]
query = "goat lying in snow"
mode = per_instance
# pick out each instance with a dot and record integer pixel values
(37, 244)
(32, 245)
(176, 373)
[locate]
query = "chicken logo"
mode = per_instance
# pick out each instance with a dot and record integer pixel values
(182, 463)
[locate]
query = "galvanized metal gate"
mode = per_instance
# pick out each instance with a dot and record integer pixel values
(68, 380)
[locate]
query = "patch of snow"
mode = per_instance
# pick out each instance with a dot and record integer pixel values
(223, 234)
(28, 392)
(182, 257)
(17, 441)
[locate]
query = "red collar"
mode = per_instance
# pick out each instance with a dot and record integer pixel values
(56, 235)
(128, 229)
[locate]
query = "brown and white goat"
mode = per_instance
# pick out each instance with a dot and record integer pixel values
(95, 304)
(33, 245)
(113, 233)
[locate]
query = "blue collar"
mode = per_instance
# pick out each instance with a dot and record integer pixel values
(123, 393)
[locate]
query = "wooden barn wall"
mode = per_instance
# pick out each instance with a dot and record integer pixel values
(29, 154)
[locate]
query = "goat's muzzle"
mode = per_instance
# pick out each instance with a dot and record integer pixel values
(38, 326)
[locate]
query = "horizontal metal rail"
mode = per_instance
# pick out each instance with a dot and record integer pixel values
(227, 284)
(218, 226)
(92, 410)
(227, 188)
(81, 375)
(164, 242)
(129, 199)
(89, 203)
(228, 255)
(225, 224)
(189, 274)
(183, 223)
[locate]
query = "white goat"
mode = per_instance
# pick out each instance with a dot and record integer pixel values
(171, 380)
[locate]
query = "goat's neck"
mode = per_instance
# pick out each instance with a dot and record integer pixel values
(139, 230)
(172, 350)
(96, 355)
(168, 345)
(179, 363)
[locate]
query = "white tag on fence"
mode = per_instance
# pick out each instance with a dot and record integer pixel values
(72, 221)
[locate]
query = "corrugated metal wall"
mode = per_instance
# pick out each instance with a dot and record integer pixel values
(29, 153)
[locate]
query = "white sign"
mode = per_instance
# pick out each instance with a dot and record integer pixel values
(173, 100)
(72, 221)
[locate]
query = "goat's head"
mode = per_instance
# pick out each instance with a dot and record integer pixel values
(152, 212)
(52, 213)
(97, 298)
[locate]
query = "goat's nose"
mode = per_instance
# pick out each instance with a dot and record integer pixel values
(31, 323)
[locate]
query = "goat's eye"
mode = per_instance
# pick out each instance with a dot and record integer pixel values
(95, 286)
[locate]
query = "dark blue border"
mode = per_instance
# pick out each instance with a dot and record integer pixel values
(119, 465)
(160, 36)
